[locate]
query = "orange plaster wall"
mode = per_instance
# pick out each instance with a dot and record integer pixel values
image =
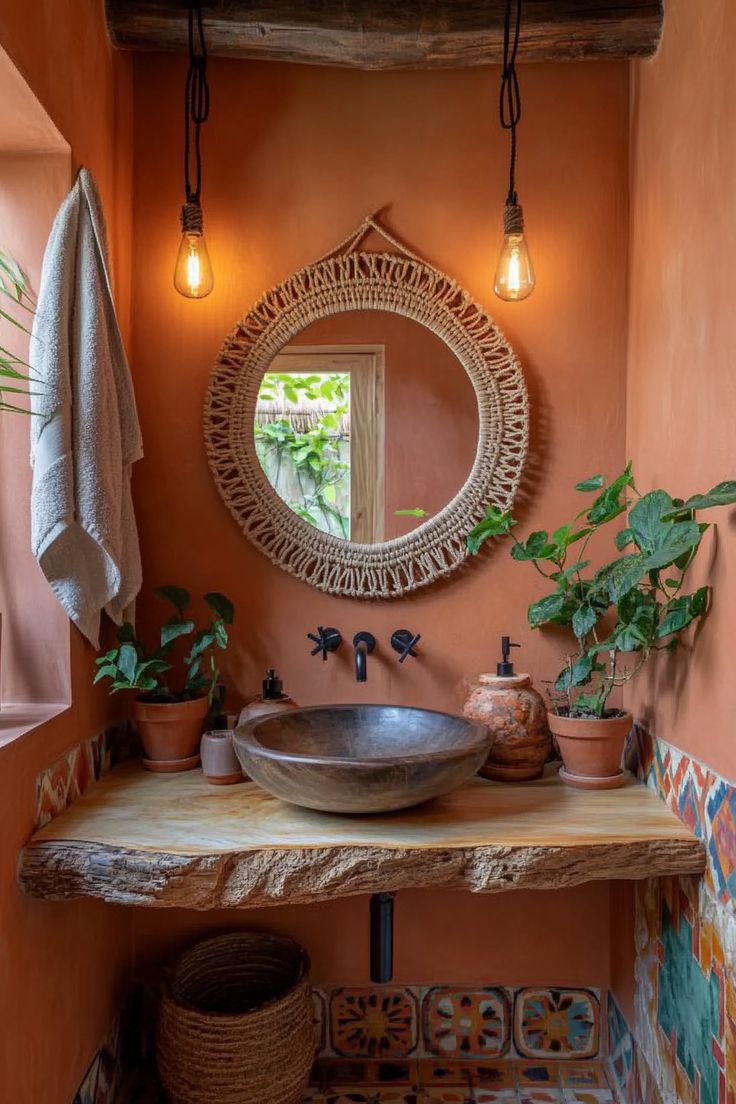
(294, 158)
(682, 341)
(681, 384)
(62, 967)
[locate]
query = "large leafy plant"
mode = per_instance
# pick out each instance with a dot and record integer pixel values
(14, 372)
(132, 666)
(622, 611)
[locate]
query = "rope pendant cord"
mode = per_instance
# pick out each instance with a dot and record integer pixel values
(509, 107)
(196, 112)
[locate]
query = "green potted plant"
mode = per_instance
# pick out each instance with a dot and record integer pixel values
(169, 711)
(619, 613)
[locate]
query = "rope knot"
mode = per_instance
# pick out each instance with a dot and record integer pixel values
(191, 218)
(513, 219)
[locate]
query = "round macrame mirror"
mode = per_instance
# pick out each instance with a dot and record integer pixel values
(361, 417)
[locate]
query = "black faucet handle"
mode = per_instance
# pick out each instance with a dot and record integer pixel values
(325, 640)
(403, 641)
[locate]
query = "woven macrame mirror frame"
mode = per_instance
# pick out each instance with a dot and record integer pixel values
(350, 280)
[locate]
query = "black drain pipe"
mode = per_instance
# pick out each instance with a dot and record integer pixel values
(382, 937)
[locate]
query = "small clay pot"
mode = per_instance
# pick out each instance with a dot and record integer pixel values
(517, 717)
(592, 749)
(220, 764)
(170, 731)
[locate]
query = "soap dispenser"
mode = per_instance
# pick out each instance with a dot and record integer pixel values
(272, 699)
(517, 718)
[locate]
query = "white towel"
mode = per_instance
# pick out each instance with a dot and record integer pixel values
(85, 434)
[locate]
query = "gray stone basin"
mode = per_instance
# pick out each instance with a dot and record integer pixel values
(360, 758)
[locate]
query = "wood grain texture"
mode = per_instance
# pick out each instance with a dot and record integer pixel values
(380, 34)
(172, 840)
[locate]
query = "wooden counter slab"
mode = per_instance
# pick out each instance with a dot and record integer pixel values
(174, 840)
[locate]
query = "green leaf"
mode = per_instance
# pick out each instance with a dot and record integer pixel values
(723, 494)
(221, 605)
(557, 608)
(593, 483)
(577, 675)
(608, 505)
(496, 523)
(172, 630)
(178, 596)
(537, 547)
(128, 662)
(682, 610)
(645, 519)
(583, 620)
(679, 540)
(415, 511)
(109, 670)
(221, 634)
(623, 538)
(624, 574)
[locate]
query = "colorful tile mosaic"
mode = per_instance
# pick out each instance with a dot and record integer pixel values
(449, 1023)
(461, 1024)
(380, 1022)
(562, 1023)
(685, 1038)
(463, 1082)
(65, 780)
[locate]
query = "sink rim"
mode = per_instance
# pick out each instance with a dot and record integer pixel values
(480, 738)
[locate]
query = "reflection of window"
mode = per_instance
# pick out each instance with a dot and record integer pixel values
(319, 437)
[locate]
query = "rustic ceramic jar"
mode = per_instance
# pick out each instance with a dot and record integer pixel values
(220, 764)
(517, 717)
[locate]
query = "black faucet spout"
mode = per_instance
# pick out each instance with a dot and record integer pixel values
(364, 643)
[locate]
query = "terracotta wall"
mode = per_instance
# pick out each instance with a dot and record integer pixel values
(294, 159)
(681, 390)
(62, 967)
(682, 336)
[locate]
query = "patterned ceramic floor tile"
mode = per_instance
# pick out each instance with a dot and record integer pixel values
(537, 1074)
(372, 1094)
(373, 1023)
(447, 1094)
(588, 1096)
(540, 1096)
(562, 1023)
(583, 1075)
(461, 1024)
(436, 1072)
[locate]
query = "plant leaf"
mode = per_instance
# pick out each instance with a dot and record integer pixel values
(593, 483)
(578, 675)
(583, 620)
(557, 608)
(221, 605)
(172, 630)
(178, 596)
(723, 494)
(625, 574)
(128, 662)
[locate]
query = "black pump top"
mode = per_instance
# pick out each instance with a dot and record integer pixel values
(273, 687)
(506, 668)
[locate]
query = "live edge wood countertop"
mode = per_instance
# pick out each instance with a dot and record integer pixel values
(173, 840)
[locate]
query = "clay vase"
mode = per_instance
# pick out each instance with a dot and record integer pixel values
(170, 732)
(591, 749)
(517, 717)
(220, 764)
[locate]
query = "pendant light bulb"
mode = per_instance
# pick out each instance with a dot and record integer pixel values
(514, 279)
(193, 276)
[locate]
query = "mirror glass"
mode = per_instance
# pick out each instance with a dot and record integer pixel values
(366, 425)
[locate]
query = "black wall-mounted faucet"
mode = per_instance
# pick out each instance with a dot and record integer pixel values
(403, 642)
(325, 640)
(364, 643)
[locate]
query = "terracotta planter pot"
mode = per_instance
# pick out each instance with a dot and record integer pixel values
(591, 749)
(170, 732)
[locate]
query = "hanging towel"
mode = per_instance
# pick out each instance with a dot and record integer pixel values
(84, 434)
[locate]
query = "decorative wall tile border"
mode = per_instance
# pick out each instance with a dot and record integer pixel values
(102, 1080)
(66, 779)
(704, 800)
(684, 1050)
(450, 1023)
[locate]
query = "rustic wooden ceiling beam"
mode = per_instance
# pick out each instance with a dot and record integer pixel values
(384, 34)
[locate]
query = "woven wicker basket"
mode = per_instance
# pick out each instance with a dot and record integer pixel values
(236, 1022)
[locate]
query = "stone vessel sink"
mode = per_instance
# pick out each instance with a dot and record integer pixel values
(360, 758)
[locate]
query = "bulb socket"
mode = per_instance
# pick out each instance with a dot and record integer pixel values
(513, 219)
(191, 218)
